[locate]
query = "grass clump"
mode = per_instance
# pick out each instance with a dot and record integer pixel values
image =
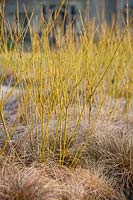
(53, 182)
(111, 148)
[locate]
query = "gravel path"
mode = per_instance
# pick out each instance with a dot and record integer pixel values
(5, 90)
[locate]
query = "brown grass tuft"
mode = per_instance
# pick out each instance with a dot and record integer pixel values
(113, 150)
(53, 182)
(26, 184)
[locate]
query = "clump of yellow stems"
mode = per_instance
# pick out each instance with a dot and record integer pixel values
(66, 84)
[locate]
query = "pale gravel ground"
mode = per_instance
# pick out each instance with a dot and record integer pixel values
(5, 90)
